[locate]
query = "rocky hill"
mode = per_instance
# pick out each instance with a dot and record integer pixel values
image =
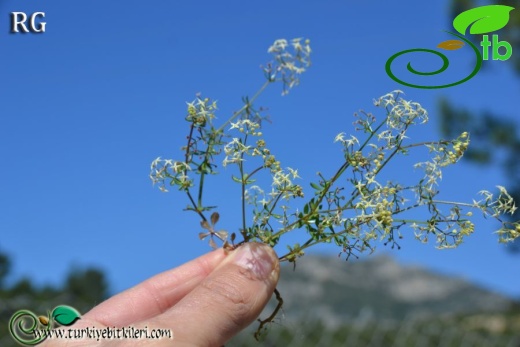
(377, 288)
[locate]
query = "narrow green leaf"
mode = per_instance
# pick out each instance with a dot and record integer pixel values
(483, 19)
(236, 179)
(315, 186)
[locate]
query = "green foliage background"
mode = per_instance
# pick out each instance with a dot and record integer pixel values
(82, 289)
(495, 138)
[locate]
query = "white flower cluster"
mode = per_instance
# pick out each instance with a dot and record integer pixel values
(287, 66)
(162, 170)
(201, 111)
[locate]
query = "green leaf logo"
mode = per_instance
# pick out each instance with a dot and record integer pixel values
(65, 315)
(483, 19)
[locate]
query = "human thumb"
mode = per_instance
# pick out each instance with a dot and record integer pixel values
(228, 299)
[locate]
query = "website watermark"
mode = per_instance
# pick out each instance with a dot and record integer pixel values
(106, 333)
(28, 329)
(479, 20)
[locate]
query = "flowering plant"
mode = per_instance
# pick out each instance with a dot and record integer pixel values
(353, 208)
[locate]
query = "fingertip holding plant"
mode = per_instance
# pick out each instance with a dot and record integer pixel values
(353, 208)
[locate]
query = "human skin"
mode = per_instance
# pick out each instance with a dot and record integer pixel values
(204, 302)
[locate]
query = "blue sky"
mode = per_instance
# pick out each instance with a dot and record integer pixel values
(87, 105)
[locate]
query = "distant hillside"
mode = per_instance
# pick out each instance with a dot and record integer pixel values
(377, 288)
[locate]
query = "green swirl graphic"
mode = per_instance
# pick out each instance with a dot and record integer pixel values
(445, 65)
(23, 317)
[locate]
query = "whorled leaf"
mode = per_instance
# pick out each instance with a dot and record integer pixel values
(205, 225)
(214, 218)
(483, 19)
(222, 234)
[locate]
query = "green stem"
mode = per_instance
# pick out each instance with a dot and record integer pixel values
(454, 203)
(213, 136)
(255, 171)
(442, 142)
(237, 113)
(209, 149)
(187, 160)
(330, 183)
(201, 186)
(310, 243)
(274, 205)
(195, 208)
(243, 192)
